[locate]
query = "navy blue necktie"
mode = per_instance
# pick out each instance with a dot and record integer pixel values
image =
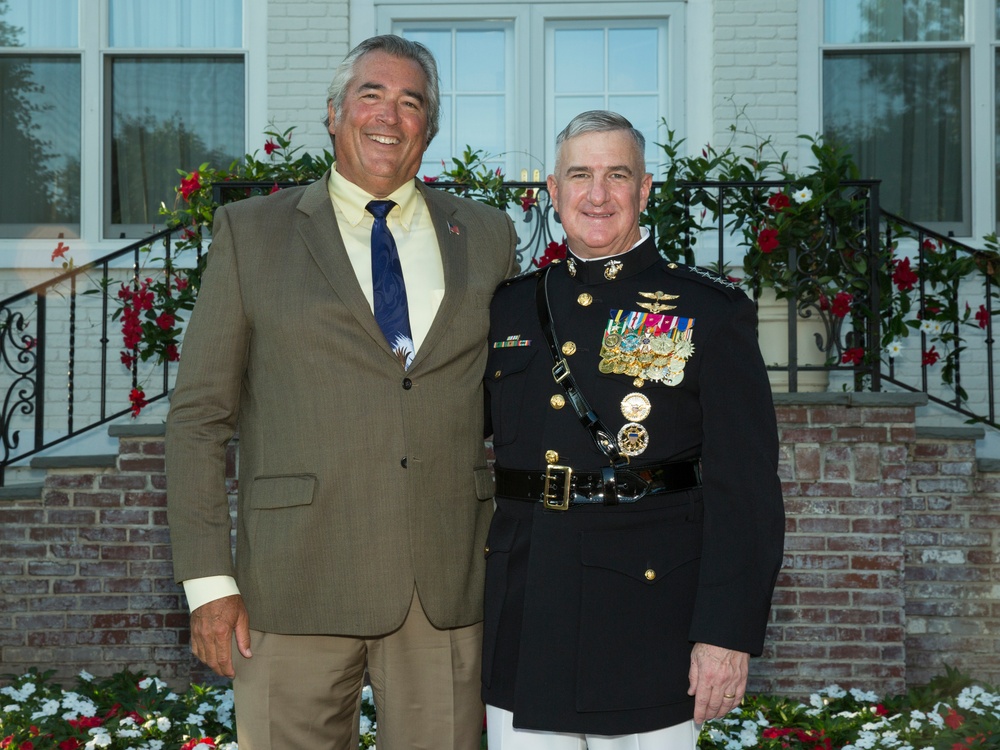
(391, 312)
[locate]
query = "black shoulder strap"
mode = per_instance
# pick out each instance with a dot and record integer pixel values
(561, 372)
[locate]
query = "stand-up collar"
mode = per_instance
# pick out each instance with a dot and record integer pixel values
(606, 270)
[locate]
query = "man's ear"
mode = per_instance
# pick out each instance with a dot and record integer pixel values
(553, 186)
(331, 115)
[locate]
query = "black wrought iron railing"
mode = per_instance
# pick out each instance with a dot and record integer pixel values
(60, 341)
(61, 373)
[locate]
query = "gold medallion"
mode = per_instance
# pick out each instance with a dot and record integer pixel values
(551, 457)
(612, 340)
(619, 368)
(558, 401)
(607, 366)
(632, 439)
(611, 269)
(584, 299)
(638, 382)
(571, 266)
(569, 348)
(635, 407)
(633, 369)
(674, 377)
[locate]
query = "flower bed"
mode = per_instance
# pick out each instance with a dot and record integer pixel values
(135, 712)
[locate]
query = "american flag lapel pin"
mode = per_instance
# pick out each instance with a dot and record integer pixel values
(453, 229)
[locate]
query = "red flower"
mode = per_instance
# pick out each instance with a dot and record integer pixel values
(165, 321)
(930, 245)
(982, 317)
(767, 240)
(29, 343)
(172, 355)
(7, 741)
(954, 719)
(138, 400)
(553, 251)
(274, 189)
(188, 234)
(182, 284)
(128, 360)
(194, 742)
(903, 276)
(528, 201)
(71, 744)
(85, 722)
(853, 356)
(881, 710)
(931, 357)
(190, 185)
(60, 251)
(778, 201)
(842, 304)
(270, 146)
(429, 179)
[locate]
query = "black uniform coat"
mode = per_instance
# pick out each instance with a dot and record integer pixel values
(591, 613)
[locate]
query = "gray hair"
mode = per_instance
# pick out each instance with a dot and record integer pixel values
(600, 121)
(396, 46)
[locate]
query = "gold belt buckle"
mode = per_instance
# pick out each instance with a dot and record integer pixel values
(555, 497)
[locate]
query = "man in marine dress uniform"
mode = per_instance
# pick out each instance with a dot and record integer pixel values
(639, 522)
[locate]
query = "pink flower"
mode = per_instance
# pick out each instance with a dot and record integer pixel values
(767, 240)
(842, 304)
(60, 251)
(853, 356)
(191, 185)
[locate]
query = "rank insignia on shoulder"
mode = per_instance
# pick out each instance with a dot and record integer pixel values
(511, 341)
(712, 276)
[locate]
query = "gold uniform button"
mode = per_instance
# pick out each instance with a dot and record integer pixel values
(569, 348)
(551, 457)
(558, 401)
(650, 574)
(584, 299)
(486, 550)
(496, 374)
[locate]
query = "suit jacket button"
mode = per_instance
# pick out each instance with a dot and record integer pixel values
(650, 574)
(407, 384)
(403, 462)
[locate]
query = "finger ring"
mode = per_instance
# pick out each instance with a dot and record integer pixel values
(729, 695)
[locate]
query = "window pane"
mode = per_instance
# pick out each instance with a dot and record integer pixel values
(439, 43)
(630, 56)
(39, 23)
(850, 21)
(579, 56)
(905, 117)
(40, 146)
(216, 24)
(170, 114)
(479, 52)
(480, 123)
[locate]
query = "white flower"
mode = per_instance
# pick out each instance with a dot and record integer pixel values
(162, 723)
(894, 349)
(49, 708)
(155, 744)
(86, 676)
(202, 746)
(802, 196)
(228, 746)
(748, 737)
(862, 696)
(129, 733)
(100, 738)
(196, 719)
(11, 708)
(366, 695)
(145, 683)
(366, 724)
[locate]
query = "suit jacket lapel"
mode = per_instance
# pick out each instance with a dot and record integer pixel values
(317, 226)
(452, 238)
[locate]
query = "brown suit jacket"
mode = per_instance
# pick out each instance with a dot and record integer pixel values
(357, 479)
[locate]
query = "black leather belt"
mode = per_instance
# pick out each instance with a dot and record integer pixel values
(560, 487)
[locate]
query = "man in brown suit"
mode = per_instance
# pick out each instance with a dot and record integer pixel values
(363, 485)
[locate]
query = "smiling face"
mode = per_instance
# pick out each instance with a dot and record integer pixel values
(599, 189)
(381, 128)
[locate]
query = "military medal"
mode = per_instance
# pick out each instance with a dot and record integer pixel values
(656, 305)
(635, 407)
(611, 269)
(646, 345)
(632, 439)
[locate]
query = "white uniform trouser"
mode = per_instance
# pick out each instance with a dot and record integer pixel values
(503, 736)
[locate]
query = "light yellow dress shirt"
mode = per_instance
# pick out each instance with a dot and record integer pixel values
(423, 274)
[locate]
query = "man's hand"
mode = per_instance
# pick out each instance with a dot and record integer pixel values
(212, 628)
(718, 679)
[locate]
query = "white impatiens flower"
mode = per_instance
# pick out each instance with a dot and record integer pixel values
(86, 676)
(894, 349)
(100, 738)
(155, 681)
(11, 708)
(804, 195)
(196, 719)
(162, 723)
(49, 707)
(366, 724)
(228, 746)
(155, 744)
(863, 696)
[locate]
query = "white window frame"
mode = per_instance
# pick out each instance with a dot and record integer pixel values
(688, 52)
(93, 52)
(981, 45)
